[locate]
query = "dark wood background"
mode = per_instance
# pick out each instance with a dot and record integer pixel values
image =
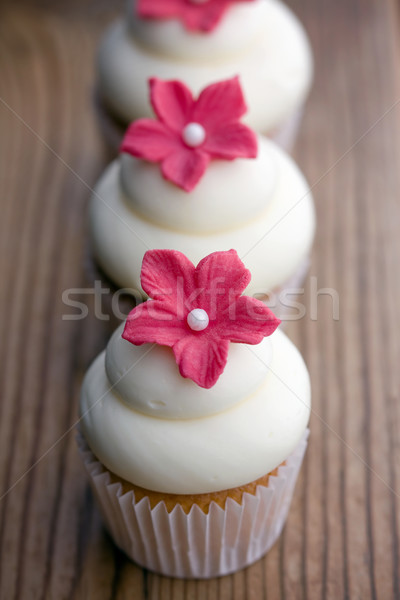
(342, 536)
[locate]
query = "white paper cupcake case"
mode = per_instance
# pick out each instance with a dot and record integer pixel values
(286, 134)
(195, 545)
(281, 299)
(280, 305)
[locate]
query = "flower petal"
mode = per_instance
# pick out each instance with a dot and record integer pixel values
(248, 321)
(232, 140)
(201, 359)
(150, 140)
(172, 102)
(201, 17)
(159, 9)
(204, 17)
(168, 275)
(185, 167)
(224, 277)
(154, 322)
(219, 103)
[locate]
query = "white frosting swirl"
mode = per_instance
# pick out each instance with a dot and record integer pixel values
(272, 245)
(212, 206)
(261, 41)
(206, 454)
(240, 28)
(154, 388)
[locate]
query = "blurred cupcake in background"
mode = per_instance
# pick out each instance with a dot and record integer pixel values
(198, 180)
(201, 42)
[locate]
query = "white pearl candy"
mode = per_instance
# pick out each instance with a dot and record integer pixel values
(198, 319)
(194, 134)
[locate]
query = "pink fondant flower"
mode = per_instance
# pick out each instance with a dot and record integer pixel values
(196, 15)
(189, 133)
(197, 311)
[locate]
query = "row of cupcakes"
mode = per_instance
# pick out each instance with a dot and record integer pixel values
(194, 419)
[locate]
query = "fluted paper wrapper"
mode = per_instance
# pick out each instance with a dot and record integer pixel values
(195, 545)
(286, 134)
(281, 299)
(118, 309)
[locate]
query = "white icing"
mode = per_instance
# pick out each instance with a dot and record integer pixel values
(198, 319)
(272, 245)
(241, 25)
(206, 454)
(144, 388)
(260, 41)
(215, 204)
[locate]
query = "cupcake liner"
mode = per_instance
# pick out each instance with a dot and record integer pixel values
(275, 300)
(112, 129)
(282, 305)
(294, 285)
(195, 545)
(286, 134)
(115, 303)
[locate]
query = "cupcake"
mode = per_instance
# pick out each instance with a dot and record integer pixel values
(194, 421)
(201, 43)
(198, 180)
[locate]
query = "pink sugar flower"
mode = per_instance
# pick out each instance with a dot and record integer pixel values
(189, 133)
(198, 311)
(196, 15)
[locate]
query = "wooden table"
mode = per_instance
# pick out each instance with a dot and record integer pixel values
(342, 536)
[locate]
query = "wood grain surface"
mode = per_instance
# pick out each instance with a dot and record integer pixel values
(342, 536)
